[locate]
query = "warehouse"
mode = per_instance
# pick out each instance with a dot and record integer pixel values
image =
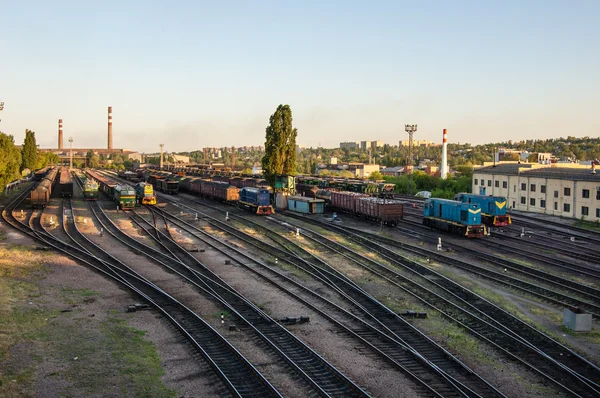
(559, 190)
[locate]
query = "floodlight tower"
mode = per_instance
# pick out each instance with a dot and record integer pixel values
(161, 155)
(70, 153)
(410, 129)
(1, 107)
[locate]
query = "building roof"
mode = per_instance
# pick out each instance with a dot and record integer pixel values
(503, 168)
(392, 169)
(559, 173)
(305, 199)
(564, 173)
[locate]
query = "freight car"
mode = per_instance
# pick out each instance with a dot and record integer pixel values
(220, 190)
(454, 216)
(40, 174)
(387, 211)
(167, 186)
(256, 200)
(145, 193)
(493, 208)
(40, 195)
(346, 201)
(65, 183)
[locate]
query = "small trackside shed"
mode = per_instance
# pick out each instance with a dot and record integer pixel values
(303, 204)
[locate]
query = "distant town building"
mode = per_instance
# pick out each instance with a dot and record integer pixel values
(181, 159)
(423, 143)
(349, 145)
(392, 171)
(333, 161)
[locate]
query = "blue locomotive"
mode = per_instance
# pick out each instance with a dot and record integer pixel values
(454, 216)
(257, 200)
(493, 208)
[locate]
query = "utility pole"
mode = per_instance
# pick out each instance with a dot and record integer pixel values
(70, 153)
(161, 155)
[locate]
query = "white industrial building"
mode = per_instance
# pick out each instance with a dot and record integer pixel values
(566, 190)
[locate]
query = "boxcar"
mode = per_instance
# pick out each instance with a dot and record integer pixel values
(454, 216)
(40, 195)
(493, 208)
(167, 186)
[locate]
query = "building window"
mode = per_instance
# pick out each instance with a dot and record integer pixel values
(504, 184)
(597, 213)
(531, 201)
(489, 183)
(597, 194)
(555, 205)
(523, 187)
(476, 181)
(497, 184)
(585, 193)
(567, 192)
(542, 203)
(523, 200)
(585, 210)
(532, 188)
(542, 188)
(567, 207)
(514, 188)
(556, 194)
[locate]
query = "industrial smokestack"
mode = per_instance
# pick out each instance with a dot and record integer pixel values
(60, 134)
(444, 170)
(110, 127)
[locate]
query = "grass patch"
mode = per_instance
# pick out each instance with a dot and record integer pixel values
(593, 336)
(592, 226)
(553, 316)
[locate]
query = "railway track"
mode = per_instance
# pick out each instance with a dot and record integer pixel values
(484, 319)
(321, 375)
(237, 374)
(390, 323)
(554, 226)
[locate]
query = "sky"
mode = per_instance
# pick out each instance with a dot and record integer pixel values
(191, 74)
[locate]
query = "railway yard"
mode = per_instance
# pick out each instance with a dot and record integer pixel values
(297, 305)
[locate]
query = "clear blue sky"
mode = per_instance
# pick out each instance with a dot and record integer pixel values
(191, 74)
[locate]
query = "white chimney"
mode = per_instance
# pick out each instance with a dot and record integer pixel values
(444, 170)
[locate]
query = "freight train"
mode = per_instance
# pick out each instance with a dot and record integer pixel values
(387, 211)
(40, 195)
(145, 193)
(493, 208)
(255, 200)
(164, 183)
(65, 183)
(123, 194)
(454, 216)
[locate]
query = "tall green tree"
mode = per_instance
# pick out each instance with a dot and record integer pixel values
(10, 160)
(280, 145)
(29, 151)
(93, 160)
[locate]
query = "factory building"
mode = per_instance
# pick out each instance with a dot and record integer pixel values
(566, 190)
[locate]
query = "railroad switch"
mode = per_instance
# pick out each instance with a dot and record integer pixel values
(293, 321)
(413, 314)
(137, 307)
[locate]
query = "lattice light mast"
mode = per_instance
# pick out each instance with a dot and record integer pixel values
(410, 129)
(1, 107)
(70, 153)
